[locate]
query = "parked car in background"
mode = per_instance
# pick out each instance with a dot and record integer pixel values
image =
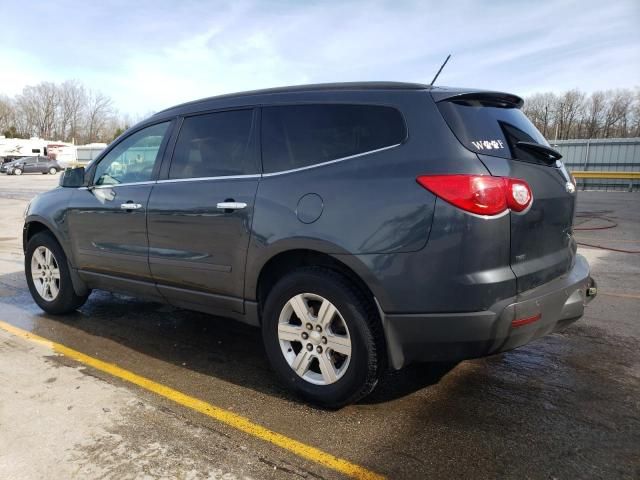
(33, 165)
(361, 226)
(5, 166)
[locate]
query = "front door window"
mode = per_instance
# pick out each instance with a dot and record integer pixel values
(133, 159)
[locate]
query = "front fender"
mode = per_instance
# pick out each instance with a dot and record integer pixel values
(50, 209)
(79, 285)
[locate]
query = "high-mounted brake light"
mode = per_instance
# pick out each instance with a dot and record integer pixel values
(480, 194)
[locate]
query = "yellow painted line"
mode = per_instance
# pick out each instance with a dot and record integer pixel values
(220, 414)
(607, 175)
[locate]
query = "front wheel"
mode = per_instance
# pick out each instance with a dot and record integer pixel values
(17, 171)
(48, 275)
(53, 171)
(322, 337)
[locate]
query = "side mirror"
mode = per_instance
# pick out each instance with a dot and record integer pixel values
(72, 178)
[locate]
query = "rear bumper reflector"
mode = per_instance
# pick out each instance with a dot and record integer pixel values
(521, 322)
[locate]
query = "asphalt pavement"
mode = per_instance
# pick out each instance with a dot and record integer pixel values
(564, 406)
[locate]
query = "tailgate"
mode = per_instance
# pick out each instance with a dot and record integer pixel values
(493, 126)
(542, 244)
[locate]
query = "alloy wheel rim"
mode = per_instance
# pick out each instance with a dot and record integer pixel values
(45, 273)
(314, 339)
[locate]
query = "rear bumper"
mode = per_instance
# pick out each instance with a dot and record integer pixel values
(457, 336)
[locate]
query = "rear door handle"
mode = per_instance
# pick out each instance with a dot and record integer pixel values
(131, 206)
(231, 205)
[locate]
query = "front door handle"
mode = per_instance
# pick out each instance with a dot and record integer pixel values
(231, 205)
(131, 206)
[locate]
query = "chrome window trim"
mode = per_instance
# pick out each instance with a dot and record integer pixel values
(253, 175)
(330, 162)
(116, 185)
(200, 179)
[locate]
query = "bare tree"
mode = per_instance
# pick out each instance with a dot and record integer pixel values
(540, 109)
(70, 112)
(572, 114)
(634, 125)
(616, 112)
(37, 106)
(66, 112)
(99, 111)
(570, 106)
(73, 99)
(594, 114)
(6, 113)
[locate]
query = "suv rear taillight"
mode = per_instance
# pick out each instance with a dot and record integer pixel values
(480, 194)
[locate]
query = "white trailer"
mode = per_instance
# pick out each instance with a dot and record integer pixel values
(66, 154)
(12, 148)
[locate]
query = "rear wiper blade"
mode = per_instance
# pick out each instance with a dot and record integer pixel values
(547, 154)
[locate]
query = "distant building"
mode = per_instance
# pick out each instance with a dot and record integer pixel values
(88, 153)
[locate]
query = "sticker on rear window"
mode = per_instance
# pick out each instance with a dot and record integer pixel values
(488, 144)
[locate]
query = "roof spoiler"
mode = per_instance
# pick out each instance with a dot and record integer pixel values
(500, 99)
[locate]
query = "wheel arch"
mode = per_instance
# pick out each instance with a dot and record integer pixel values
(279, 264)
(35, 225)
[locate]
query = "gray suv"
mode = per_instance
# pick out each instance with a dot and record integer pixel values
(361, 226)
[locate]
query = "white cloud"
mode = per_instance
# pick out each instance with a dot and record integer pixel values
(160, 53)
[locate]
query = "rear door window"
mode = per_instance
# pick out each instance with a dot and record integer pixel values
(296, 136)
(491, 129)
(214, 145)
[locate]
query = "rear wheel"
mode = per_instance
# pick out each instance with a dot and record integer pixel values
(53, 171)
(321, 337)
(48, 275)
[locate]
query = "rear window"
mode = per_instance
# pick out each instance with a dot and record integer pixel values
(491, 129)
(295, 136)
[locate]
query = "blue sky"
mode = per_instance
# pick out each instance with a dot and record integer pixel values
(148, 55)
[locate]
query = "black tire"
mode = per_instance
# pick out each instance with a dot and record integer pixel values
(17, 171)
(53, 171)
(367, 343)
(66, 300)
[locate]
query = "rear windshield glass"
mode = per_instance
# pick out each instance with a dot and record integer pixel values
(489, 129)
(295, 136)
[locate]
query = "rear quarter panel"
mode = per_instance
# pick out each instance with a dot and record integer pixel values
(372, 204)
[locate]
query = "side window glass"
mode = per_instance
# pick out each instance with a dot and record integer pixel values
(214, 145)
(295, 136)
(133, 159)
